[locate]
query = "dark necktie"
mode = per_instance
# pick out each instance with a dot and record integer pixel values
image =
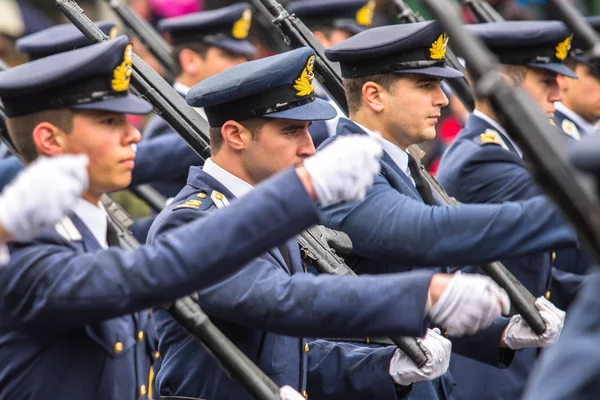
(112, 236)
(420, 181)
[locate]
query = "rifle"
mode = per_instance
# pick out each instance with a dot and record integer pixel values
(316, 245)
(460, 86)
(541, 146)
(482, 11)
(521, 297)
(146, 34)
(162, 96)
(296, 34)
(150, 196)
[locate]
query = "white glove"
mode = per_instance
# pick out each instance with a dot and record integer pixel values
(346, 169)
(42, 194)
(437, 348)
(518, 334)
(289, 393)
(470, 303)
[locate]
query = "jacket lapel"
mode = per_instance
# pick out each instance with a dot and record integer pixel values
(88, 241)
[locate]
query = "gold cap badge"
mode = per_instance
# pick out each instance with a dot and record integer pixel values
(122, 73)
(562, 49)
(364, 16)
(241, 27)
(437, 51)
(305, 83)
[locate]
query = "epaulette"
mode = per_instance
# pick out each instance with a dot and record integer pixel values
(199, 201)
(493, 137)
(570, 129)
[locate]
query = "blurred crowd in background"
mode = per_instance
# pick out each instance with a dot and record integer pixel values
(22, 17)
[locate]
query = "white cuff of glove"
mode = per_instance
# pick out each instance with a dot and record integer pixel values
(288, 393)
(437, 349)
(518, 334)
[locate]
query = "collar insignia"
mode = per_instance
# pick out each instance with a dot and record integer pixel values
(437, 51)
(241, 27)
(122, 73)
(364, 16)
(305, 83)
(562, 49)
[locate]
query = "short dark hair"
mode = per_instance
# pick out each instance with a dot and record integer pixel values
(20, 129)
(515, 72)
(197, 47)
(253, 125)
(353, 87)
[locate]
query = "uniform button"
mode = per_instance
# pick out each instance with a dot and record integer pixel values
(305, 394)
(368, 340)
(306, 348)
(142, 390)
(118, 347)
(553, 256)
(218, 196)
(201, 195)
(548, 295)
(140, 336)
(156, 355)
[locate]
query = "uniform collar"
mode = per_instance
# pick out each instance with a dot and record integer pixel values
(581, 123)
(398, 156)
(95, 219)
(500, 129)
(234, 184)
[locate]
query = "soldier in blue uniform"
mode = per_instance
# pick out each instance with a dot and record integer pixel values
(164, 158)
(570, 369)
(259, 113)
(392, 78)
(484, 165)
(204, 44)
(71, 325)
(579, 111)
(332, 22)
(167, 157)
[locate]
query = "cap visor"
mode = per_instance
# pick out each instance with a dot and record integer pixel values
(440, 72)
(129, 104)
(585, 60)
(318, 110)
(352, 29)
(242, 47)
(560, 69)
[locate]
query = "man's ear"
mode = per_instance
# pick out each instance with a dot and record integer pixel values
(374, 96)
(235, 135)
(190, 61)
(49, 140)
